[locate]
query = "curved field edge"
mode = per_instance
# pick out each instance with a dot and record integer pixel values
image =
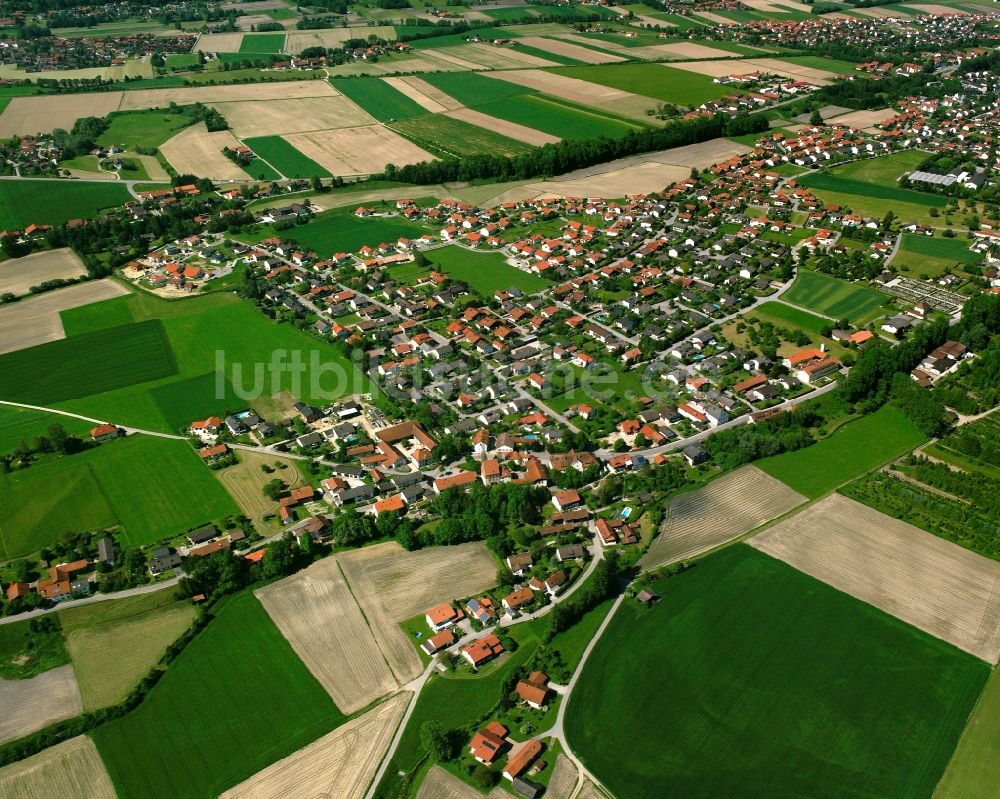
(773, 673)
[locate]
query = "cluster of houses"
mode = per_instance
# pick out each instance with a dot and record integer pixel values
(55, 52)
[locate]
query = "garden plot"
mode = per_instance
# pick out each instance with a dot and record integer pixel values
(357, 151)
(36, 320)
(391, 585)
(196, 151)
(70, 769)
(341, 764)
(20, 274)
(274, 117)
(734, 504)
(936, 586)
(29, 705)
(319, 616)
(43, 114)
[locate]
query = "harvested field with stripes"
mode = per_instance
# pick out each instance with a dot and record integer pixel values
(251, 118)
(580, 91)
(340, 764)
(563, 780)
(570, 50)
(936, 586)
(319, 616)
(70, 769)
(357, 151)
(196, 151)
(391, 585)
(424, 93)
(219, 42)
(734, 504)
(31, 704)
(523, 133)
(17, 275)
(297, 41)
(441, 784)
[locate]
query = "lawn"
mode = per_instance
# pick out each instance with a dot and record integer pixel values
(209, 333)
(974, 770)
(285, 158)
(263, 43)
(384, 102)
(133, 129)
(778, 312)
(236, 700)
(437, 132)
(555, 118)
(652, 80)
(90, 363)
(832, 296)
(852, 450)
(44, 202)
(154, 488)
(768, 683)
(485, 273)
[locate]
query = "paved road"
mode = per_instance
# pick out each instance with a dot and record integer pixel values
(90, 600)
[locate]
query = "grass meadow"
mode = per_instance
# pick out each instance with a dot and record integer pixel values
(857, 447)
(236, 700)
(659, 81)
(384, 102)
(484, 272)
(933, 256)
(778, 312)
(205, 332)
(974, 770)
(263, 43)
(860, 187)
(132, 129)
(152, 487)
(24, 424)
(472, 89)
(833, 297)
(768, 683)
(90, 363)
(443, 134)
(555, 118)
(285, 158)
(43, 202)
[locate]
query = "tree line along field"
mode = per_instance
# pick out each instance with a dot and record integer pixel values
(152, 487)
(43, 202)
(90, 363)
(852, 450)
(200, 330)
(832, 296)
(236, 700)
(795, 688)
(284, 157)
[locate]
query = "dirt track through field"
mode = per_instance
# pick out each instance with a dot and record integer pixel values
(72, 769)
(319, 616)
(392, 585)
(36, 320)
(339, 765)
(19, 274)
(195, 151)
(503, 127)
(933, 584)
(728, 507)
(29, 705)
(357, 151)
(246, 480)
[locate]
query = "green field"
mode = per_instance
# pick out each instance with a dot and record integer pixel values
(206, 332)
(455, 137)
(553, 117)
(44, 202)
(857, 187)
(934, 257)
(484, 272)
(974, 770)
(833, 297)
(25, 653)
(852, 450)
(768, 683)
(378, 98)
(885, 170)
(778, 312)
(471, 88)
(132, 129)
(339, 230)
(262, 43)
(236, 700)
(285, 158)
(23, 424)
(153, 487)
(90, 363)
(652, 80)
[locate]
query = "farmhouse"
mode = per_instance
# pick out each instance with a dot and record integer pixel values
(520, 762)
(534, 690)
(105, 432)
(482, 651)
(487, 744)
